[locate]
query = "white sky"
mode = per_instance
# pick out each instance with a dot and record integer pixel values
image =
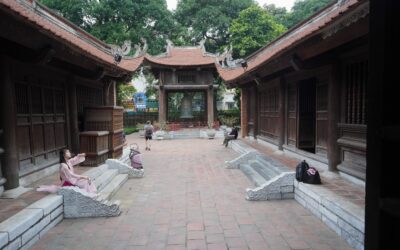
(279, 3)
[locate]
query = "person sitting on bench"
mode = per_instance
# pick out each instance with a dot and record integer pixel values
(231, 136)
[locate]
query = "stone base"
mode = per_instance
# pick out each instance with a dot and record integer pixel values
(124, 168)
(343, 217)
(24, 229)
(14, 193)
(79, 204)
(278, 188)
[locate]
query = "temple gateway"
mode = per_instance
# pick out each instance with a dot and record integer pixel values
(188, 73)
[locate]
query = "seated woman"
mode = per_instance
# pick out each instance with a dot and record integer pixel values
(67, 175)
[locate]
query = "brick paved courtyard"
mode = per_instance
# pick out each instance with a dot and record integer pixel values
(188, 200)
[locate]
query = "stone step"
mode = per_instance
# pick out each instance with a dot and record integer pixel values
(266, 172)
(116, 183)
(252, 174)
(272, 164)
(105, 178)
(94, 173)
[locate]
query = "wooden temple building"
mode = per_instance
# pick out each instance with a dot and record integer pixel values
(50, 71)
(190, 71)
(305, 92)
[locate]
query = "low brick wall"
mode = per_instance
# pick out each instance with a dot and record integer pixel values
(25, 228)
(345, 218)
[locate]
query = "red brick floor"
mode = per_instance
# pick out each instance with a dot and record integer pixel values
(189, 200)
(351, 192)
(9, 207)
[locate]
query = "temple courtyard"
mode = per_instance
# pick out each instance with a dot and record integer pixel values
(189, 200)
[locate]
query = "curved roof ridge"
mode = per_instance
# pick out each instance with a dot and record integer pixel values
(67, 32)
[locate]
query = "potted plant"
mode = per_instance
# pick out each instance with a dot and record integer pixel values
(160, 133)
(210, 131)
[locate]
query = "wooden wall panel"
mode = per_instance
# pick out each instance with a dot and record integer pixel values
(38, 138)
(41, 117)
(24, 144)
(60, 135)
(268, 115)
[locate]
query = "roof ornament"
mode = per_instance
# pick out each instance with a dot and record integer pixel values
(118, 52)
(225, 60)
(145, 45)
(201, 45)
(169, 45)
(139, 51)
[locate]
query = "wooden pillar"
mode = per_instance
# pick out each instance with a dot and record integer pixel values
(113, 94)
(333, 117)
(210, 105)
(162, 105)
(2, 180)
(243, 112)
(282, 102)
(110, 93)
(10, 163)
(252, 111)
(73, 111)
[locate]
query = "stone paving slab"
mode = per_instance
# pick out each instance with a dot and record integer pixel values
(189, 200)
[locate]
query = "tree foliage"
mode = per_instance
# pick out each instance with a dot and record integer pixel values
(279, 13)
(76, 11)
(208, 19)
(253, 29)
(125, 93)
(114, 21)
(302, 9)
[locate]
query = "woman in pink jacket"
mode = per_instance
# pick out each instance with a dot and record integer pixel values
(67, 175)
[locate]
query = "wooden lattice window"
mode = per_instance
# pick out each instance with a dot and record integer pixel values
(356, 75)
(41, 129)
(88, 97)
(21, 92)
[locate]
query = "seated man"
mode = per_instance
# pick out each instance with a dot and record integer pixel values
(232, 136)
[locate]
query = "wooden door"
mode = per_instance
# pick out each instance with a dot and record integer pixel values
(306, 115)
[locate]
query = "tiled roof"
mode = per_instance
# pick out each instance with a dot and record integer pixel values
(183, 56)
(288, 40)
(64, 31)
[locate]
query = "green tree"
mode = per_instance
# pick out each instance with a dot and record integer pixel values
(279, 13)
(302, 9)
(124, 93)
(114, 21)
(208, 19)
(253, 29)
(77, 11)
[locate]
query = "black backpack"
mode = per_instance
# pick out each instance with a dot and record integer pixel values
(301, 170)
(312, 176)
(307, 174)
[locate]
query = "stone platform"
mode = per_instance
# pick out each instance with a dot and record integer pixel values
(337, 202)
(22, 229)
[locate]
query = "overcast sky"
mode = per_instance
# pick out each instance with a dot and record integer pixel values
(280, 3)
